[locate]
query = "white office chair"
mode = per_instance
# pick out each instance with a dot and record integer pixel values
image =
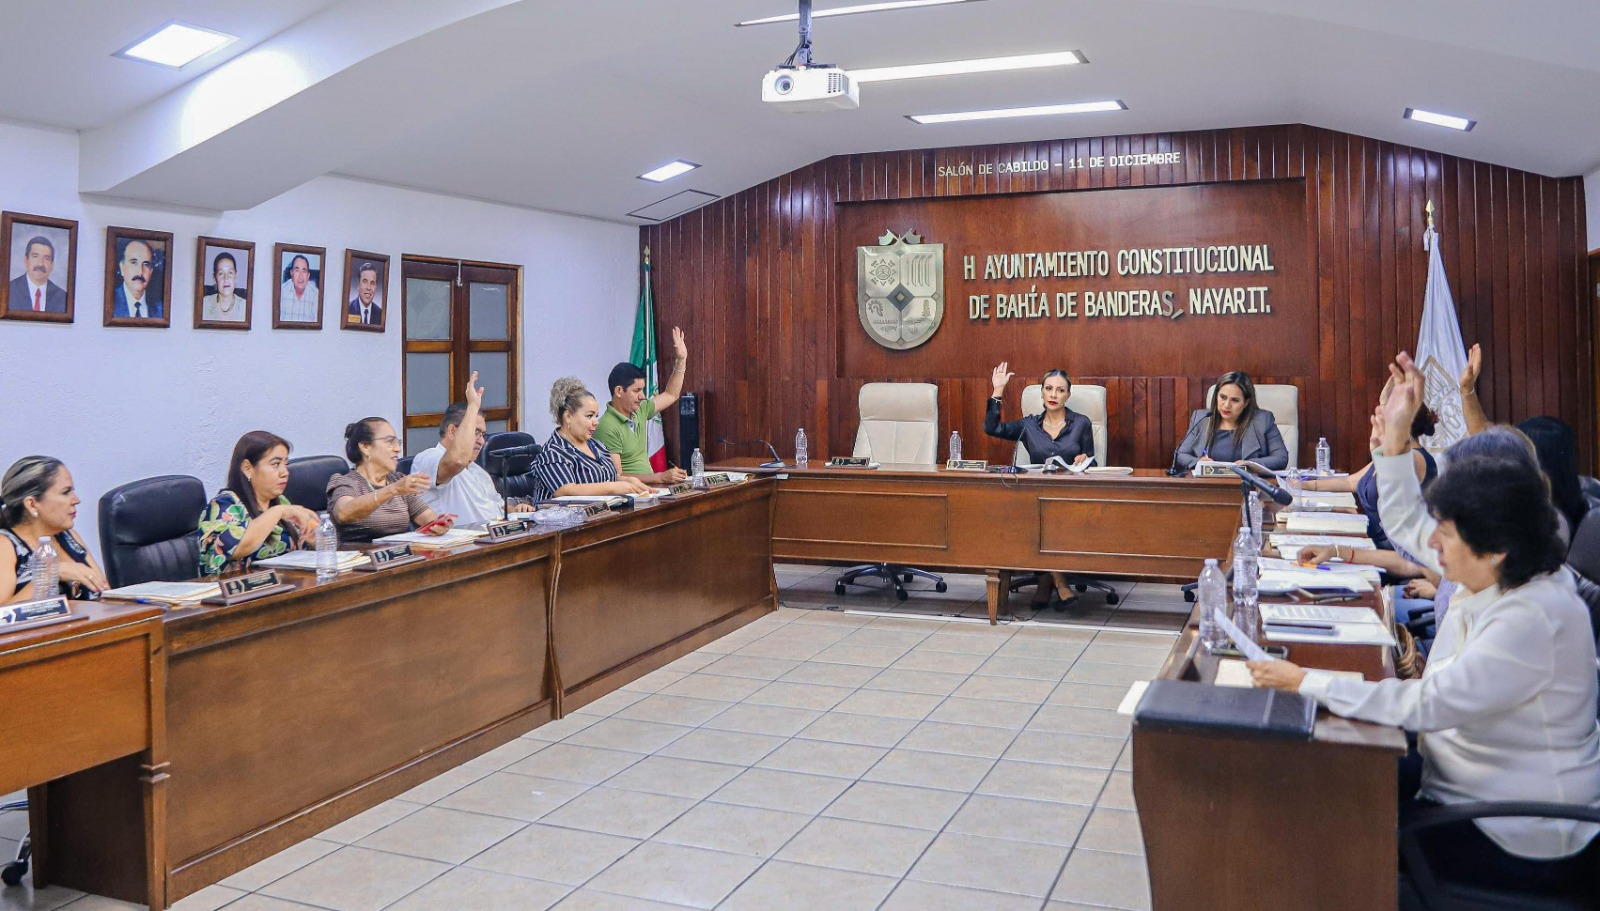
(1284, 403)
(899, 425)
(1089, 401)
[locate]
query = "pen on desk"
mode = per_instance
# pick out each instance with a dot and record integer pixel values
(1301, 624)
(1300, 630)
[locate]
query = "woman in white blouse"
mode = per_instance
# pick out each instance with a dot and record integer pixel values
(1505, 709)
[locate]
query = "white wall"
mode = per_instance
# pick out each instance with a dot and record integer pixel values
(1591, 197)
(118, 404)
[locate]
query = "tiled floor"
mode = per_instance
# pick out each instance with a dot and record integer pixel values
(814, 759)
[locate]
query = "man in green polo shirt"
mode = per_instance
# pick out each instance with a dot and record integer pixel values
(624, 428)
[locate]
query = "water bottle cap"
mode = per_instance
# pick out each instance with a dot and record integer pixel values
(1211, 561)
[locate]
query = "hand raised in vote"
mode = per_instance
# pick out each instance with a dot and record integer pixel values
(474, 391)
(1001, 376)
(1277, 675)
(1467, 382)
(679, 346)
(1394, 416)
(1375, 437)
(412, 484)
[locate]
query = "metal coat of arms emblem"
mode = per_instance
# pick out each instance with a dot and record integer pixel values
(900, 290)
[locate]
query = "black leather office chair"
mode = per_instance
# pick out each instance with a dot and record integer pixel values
(513, 475)
(404, 465)
(308, 480)
(150, 530)
(1591, 489)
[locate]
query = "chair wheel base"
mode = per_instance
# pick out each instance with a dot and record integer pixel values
(1188, 597)
(900, 594)
(1113, 598)
(13, 872)
(838, 588)
(940, 587)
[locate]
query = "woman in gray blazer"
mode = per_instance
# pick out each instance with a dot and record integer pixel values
(1233, 429)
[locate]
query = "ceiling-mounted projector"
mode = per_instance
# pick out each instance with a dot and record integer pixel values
(812, 89)
(798, 85)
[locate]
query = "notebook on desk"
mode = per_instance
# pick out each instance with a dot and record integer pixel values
(1190, 706)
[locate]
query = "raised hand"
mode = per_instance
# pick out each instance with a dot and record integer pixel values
(1467, 382)
(1395, 415)
(1001, 377)
(679, 346)
(411, 484)
(474, 391)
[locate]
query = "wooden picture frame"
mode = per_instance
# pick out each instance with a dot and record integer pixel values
(210, 310)
(157, 271)
(355, 264)
(15, 300)
(283, 257)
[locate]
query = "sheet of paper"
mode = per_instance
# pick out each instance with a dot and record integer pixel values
(170, 592)
(1329, 498)
(1337, 523)
(1274, 564)
(1130, 701)
(307, 559)
(1343, 634)
(1233, 672)
(1279, 581)
(1240, 641)
(450, 538)
(1319, 613)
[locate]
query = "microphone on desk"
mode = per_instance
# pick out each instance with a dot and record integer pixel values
(1278, 494)
(775, 463)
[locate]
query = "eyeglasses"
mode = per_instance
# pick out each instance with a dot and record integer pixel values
(479, 435)
(392, 440)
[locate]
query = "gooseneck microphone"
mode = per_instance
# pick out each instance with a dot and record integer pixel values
(1278, 494)
(775, 463)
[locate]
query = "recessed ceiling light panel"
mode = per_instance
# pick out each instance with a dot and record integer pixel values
(851, 10)
(1440, 120)
(176, 45)
(1045, 110)
(958, 67)
(669, 170)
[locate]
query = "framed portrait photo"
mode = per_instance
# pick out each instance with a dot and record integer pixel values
(138, 278)
(222, 283)
(39, 263)
(366, 279)
(297, 286)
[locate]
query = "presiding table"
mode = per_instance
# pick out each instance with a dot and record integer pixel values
(1145, 525)
(288, 714)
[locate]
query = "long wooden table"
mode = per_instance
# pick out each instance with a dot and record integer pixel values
(289, 714)
(1140, 526)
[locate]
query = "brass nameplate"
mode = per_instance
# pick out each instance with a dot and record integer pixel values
(249, 587)
(506, 530)
(717, 479)
(1213, 470)
(967, 465)
(681, 488)
(388, 558)
(595, 509)
(849, 462)
(35, 613)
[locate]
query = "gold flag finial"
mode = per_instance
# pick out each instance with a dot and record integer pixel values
(647, 250)
(1429, 209)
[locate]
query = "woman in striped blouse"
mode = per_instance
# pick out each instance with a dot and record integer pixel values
(572, 462)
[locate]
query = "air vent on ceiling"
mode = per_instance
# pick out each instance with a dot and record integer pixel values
(674, 205)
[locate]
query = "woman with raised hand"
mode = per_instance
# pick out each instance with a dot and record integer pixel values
(251, 519)
(373, 498)
(38, 501)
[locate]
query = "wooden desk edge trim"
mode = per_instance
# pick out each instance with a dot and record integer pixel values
(673, 516)
(36, 651)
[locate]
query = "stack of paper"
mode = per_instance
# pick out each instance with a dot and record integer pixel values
(1289, 545)
(1108, 469)
(1325, 623)
(1328, 498)
(1369, 573)
(163, 592)
(1326, 523)
(307, 560)
(455, 537)
(1280, 581)
(1234, 672)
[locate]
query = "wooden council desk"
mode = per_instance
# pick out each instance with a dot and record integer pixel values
(289, 714)
(1142, 526)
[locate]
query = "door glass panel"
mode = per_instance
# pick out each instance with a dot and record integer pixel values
(487, 311)
(491, 368)
(497, 427)
(420, 438)
(427, 309)
(427, 383)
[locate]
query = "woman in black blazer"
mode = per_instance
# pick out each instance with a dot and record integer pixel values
(1233, 428)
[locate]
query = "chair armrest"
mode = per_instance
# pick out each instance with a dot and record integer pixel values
(1489, 809)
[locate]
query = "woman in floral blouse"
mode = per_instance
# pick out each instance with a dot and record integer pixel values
(251, 519)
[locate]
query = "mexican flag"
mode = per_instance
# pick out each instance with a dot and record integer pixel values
(643, 355)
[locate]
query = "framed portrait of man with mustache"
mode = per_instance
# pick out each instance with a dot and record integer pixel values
(138, 278)
(38, 264)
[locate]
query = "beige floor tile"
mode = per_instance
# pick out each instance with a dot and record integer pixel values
(889, 704)
(861, 847)
(829, 674)
(1125, 761)
(696, 660)
(259, 902)
(1118, 793)
(1008, 689)
(506, 754)
(629, 734)
(775, 790)
(967, 642)
(1025, 668)
(562, 728)
(1040, 822)
(363, 824)
(751, 831)
(912, 895)
(818, 757)
(750, 666)
(1099, 878)
(680, 875)
(435, 833)
(466, 889)
(1088, 695)
(799, 695)
(923, 659)
(793, 651)
(714, 686)
(590, 900)
(655, 681)
(779, 886)
(280, 864)
(777, 720)
(1050, 648)
(986, 712)
(632, 814)
(878, 637)
(945, 771)
(208, 899)
(865, 730)
(102, 903)
(829, 618)
(553, 854)
(444, 784)
(817, 635)
(1151, 658)
(674, 777)
(1066, 749)
(1108, 674)
(355, 879)
(722, 746)
(902, 680)
(896, 805)
(24, 897)
(611, 703)
(570, 762)
(669, 709)
(860, 655)
(1137, 640)
(991, 864)
(513, 796)
(1071, 719)
(1116, 831)
(1036, 781)
(963, 739)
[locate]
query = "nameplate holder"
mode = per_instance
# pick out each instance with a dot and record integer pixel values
(249, 587)
(381, 558)
(507, 530)
(590, 510)
(967, 465)
(681, 488)
(1214, 470)
(42, 612)
(849, 462)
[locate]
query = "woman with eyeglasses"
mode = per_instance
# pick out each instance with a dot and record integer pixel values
(374, 499)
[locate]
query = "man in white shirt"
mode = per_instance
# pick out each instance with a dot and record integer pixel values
(298, 298)
(460, 485)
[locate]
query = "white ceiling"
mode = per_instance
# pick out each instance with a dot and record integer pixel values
(558, 105)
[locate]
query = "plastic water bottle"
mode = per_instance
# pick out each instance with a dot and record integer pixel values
(1213, 597)
(801, 456)
(1324, 457)
(697, 464)
(327, 550)
(45, 568)
(1253, 508)
(955, 444)
(1246, 614)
